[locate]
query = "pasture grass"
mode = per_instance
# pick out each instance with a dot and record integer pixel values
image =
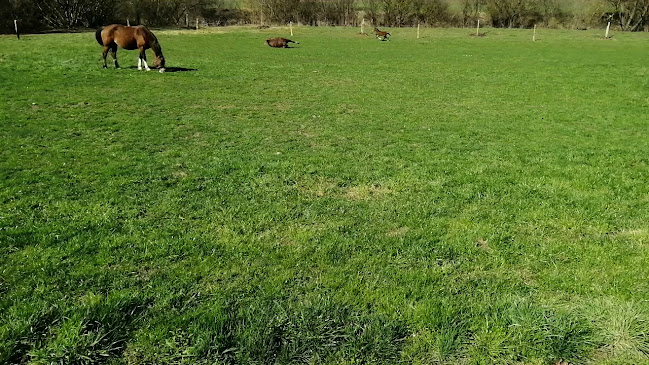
(448, 199)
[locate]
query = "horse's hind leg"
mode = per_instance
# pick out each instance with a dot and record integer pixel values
(104, 54)
(113, 52)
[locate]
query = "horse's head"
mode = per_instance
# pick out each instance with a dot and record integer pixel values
(159, 61)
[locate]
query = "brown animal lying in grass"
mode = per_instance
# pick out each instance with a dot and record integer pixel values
(279, 42)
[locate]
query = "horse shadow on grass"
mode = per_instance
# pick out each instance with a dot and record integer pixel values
(167, 69)
(179, 69)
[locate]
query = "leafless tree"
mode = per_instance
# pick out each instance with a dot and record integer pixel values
(372, 11)
(631, 14)
(429, 11)
(507, 13)
(74, 13)
(471, 11)
(397, 12)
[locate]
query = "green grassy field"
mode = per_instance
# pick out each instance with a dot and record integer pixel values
(447, 199)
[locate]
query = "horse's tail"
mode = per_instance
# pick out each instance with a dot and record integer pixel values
(290, 41)
(98, 36)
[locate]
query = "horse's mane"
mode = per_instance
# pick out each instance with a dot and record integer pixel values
(155, 46)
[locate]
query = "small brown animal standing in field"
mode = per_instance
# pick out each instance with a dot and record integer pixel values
(279, 42)
(138, 37)
(381, 35)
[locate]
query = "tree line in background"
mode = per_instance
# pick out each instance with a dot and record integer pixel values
(40, 15)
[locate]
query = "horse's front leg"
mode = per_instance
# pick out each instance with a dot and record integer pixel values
(143, 60)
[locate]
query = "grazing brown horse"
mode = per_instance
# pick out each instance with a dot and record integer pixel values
(279, 42)
(381, 35)
(138, 37)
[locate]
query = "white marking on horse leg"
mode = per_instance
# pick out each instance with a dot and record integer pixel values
(146, 67)
(139, 64)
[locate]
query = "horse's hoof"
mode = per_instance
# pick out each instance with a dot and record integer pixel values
(162, 70)
(105, 66)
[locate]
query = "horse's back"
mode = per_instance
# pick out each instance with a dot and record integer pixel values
(109, 30)
(126, 37)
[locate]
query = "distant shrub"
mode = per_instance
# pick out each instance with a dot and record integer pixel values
(226, 16)
(411, 12)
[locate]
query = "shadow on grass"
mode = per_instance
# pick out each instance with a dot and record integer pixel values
(167, 69)
(179, 69)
